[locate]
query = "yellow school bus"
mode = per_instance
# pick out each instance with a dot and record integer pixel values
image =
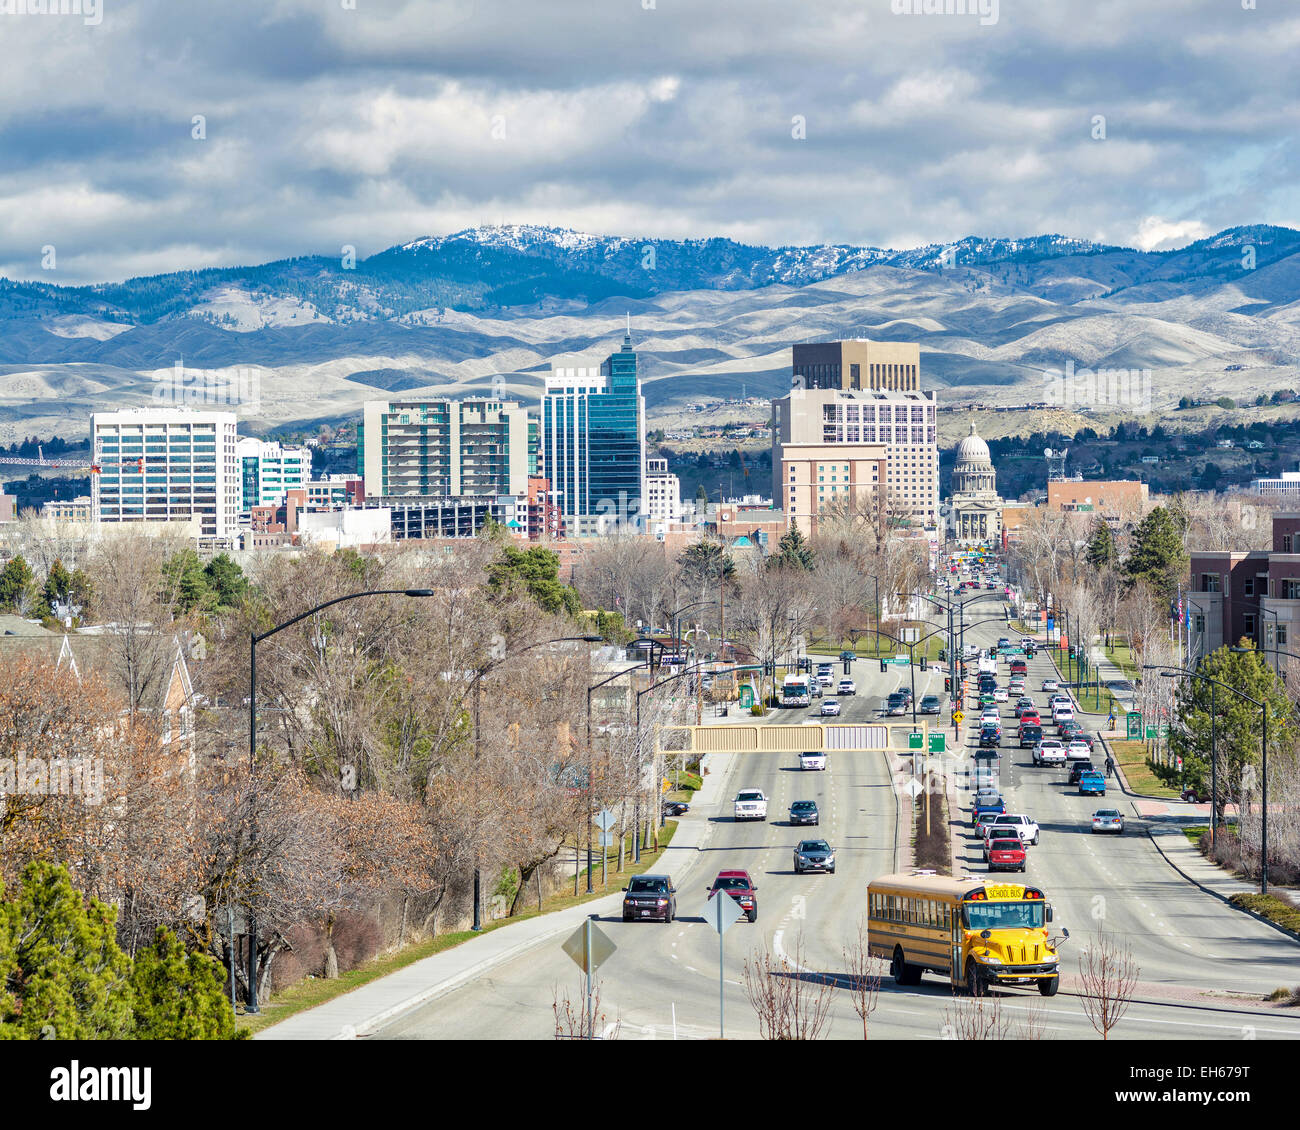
(972, 931)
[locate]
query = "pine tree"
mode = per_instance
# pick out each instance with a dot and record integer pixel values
(57, 584)
(16, 581)
(1158, 556)
(793, 552)
(67, 977)
(179, 995)
(1101, 548)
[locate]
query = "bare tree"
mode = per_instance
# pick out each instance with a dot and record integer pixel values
(862, 976)
(1108, 973)
(575, 1021)
(976, 1018)
(790, 1004)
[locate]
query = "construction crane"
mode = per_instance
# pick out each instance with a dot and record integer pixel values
(41, 461)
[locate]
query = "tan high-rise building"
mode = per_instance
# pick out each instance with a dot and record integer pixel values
(833, 448)
(893, 366)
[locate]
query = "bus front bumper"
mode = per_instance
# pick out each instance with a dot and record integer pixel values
(1020, 972)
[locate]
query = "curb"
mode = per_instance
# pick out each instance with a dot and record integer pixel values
(1222, 898)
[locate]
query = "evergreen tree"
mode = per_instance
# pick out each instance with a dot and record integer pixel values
(16, 582)
(179, 995)
(1157, 556)
(226, 581)
(1101, 548)
(793, 552)
(1237, 723)
(701, 495)
(703, 561)
(536, 569)
(185, 576)
(58, 583)
(67, 977)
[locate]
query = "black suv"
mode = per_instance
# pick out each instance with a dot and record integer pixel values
(1078, 769)
(650, 896)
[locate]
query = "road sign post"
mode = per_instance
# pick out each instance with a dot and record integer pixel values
(721, 912)
(589, 948)
(604, 820)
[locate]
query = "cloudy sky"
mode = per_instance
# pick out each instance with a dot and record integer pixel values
(372, 122)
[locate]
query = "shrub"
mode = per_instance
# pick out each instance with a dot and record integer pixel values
(758, 710)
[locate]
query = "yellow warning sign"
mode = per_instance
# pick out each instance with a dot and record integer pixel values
(958, 717)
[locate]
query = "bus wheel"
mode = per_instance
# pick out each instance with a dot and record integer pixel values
(976, 985)
(904, 974)
(1048, 986)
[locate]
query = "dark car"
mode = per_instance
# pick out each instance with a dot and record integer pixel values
(1071, 730)
(814, 855)
(850, 655)
(1195, 796)
(930, 704)
(990, 736)
(1023, 704)
(896, 703)
(675, 807)
(739, 886)
(1030, 736)
(1078, 768)
(804, 812)
(650, 896)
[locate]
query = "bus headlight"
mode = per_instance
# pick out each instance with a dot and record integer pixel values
(989, 959)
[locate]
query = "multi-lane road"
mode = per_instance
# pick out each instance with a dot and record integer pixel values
(1188, 945)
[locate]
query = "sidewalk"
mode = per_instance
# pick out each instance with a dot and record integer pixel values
(361, 1011)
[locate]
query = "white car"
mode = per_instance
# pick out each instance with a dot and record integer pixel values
(1026, 829)
(1062, 713)
(847, 686)
(1077, 751)
(1108, 820)
(999, 694)
(830, 706)
(825, 680)
(812, 761)
(990, 715)
(1051, 685)
(1049, 751)
(751, 804)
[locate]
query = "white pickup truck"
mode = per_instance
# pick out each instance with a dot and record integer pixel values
(751, 804)
(1025, 828)
(1049, 751)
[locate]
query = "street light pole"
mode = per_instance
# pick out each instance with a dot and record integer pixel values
(254, 639)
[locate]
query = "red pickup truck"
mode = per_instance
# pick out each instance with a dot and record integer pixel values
(1006, 854)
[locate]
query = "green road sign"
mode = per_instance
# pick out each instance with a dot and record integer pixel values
(1164, 729)
(916, 740)
(1152, 731)
(898, 660)
(937, 743)
(1134, 719)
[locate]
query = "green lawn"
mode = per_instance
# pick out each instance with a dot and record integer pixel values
(1120, 654)
(313, 991)
(867, 649)
(1132, 757)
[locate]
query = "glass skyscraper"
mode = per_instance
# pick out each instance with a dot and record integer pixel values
(593, 441)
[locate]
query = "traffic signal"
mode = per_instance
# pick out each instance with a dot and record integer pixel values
(924, 663)
(947, 684)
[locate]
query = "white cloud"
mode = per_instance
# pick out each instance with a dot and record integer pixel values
(1158, 234)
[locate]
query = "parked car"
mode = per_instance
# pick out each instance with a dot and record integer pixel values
(847, 686)
(930, 704)
(1195, 796)
(751, 804)
(675, 807)
(740, 887)
(804, 812)
(1005, 854)
(813, 855)
(650, 896)
(830, 706)
(1108, 820)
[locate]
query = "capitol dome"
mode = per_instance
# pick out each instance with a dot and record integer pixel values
(973, 450)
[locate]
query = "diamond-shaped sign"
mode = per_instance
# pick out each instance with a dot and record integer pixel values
(602, 949)
(604, 820)
(912, 788)
(722, 912)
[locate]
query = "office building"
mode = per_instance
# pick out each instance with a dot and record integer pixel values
(663, 493)
(443, 448)
(166, 465)
(834, 449)
(593, 441)
(267, 470)
(67, 509)
(858, 365)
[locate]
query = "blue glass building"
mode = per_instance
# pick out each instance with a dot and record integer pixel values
(593, 441)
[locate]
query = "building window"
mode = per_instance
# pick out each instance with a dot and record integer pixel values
(1209, 582)
(1281, 635)
(1291, 589)
(1248, 586)
(1249, 620)
(1286, 543)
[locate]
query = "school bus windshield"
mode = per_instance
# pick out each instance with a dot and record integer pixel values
(1003, 915)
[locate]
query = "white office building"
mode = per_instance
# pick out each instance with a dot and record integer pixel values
(166, 465)
(663, 492)
(269, 469)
